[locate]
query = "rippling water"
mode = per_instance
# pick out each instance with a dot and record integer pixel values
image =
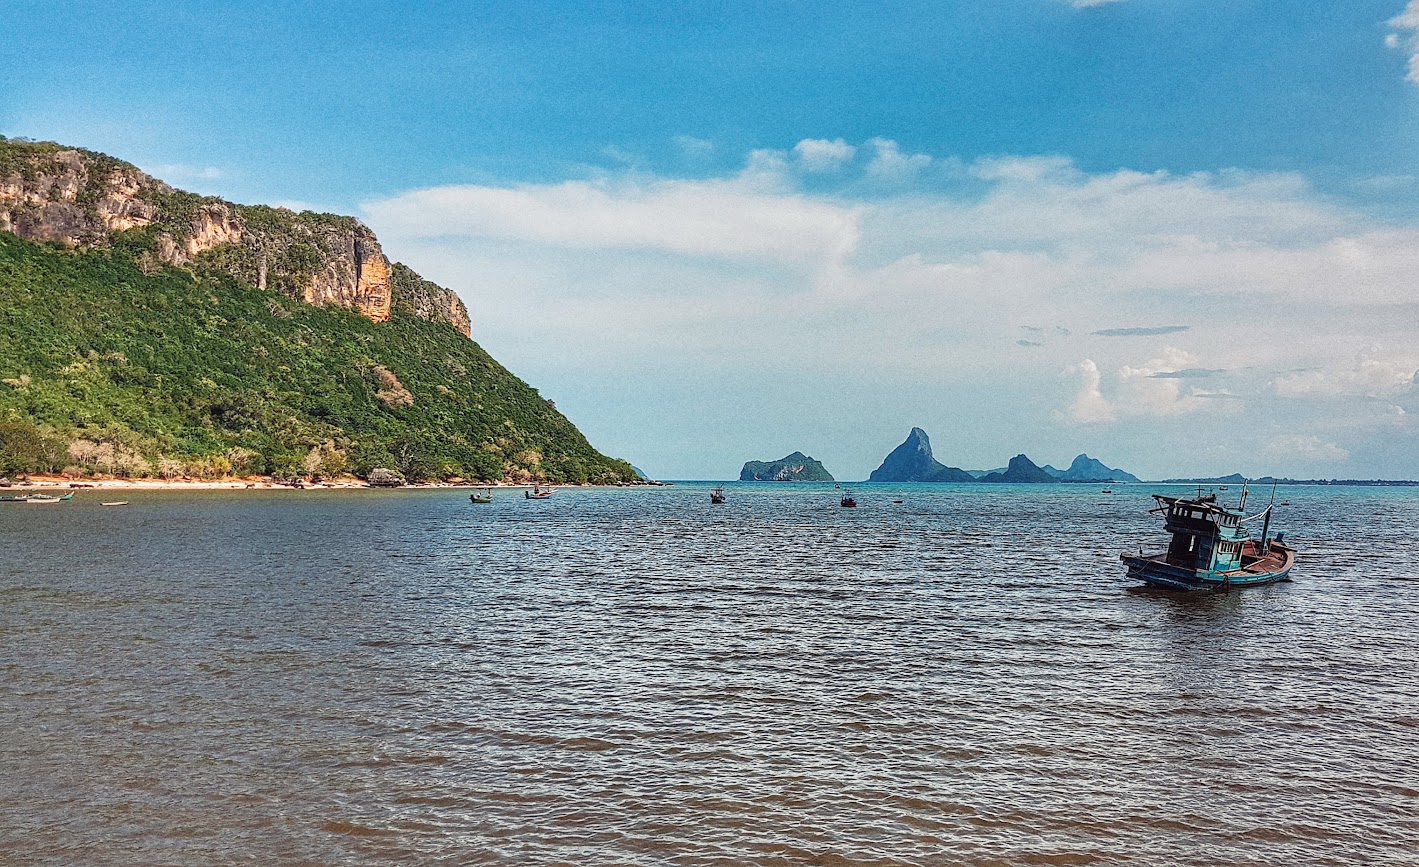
(636, 677)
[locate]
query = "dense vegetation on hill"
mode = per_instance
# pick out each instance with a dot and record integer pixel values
(796, 467)
(106, 366)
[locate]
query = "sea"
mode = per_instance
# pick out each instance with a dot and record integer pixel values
(944, 675)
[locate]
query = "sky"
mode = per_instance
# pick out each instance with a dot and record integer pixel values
(1179, 235)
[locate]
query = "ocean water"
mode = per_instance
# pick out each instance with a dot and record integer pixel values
(633, 676)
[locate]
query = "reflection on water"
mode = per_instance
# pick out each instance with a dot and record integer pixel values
(636, 676)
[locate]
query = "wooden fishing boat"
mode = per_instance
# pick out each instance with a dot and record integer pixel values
(537, 493)
(848, 501)
(717, 496)
(48, 498)
(1211, 549)
(483, 496)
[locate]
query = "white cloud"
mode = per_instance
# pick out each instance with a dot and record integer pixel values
(715, 218)
(1089, 406)
(890, 162)
(821, 155)
(1405, 36)
(928, 280)
(1374, 374)
(694, 148)
(1307, 448)
(1142, 392)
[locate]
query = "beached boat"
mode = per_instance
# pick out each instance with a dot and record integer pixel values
(717, 496)
(848, 501)
(537, 493)
(1211, 549)
(483, 496)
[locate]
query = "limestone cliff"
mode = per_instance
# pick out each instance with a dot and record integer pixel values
(81, 198)
(912, 461)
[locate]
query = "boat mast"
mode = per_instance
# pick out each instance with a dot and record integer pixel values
(1266, 525)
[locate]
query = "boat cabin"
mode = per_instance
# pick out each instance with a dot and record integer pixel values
(1207, 537)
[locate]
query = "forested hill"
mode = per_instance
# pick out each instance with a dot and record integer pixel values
(228, 339)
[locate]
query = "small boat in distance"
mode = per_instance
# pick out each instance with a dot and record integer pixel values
(1210, 548)
(717, 495)
(483, 496)
(537, 493)
(47, 498)
(115, 503)
(1107, 491)
(848, 501)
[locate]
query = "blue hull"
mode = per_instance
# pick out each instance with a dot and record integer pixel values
(1154, 572)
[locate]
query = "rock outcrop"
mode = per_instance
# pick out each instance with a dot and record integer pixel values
(1021, 470)
(84, 199)
(1087, 469)
(912, 461)
(796, 467)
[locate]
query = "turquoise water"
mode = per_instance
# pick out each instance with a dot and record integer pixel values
(634, 676)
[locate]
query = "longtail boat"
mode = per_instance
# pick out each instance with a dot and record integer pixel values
(48, 498)
(717, 495)
(483, 496)
(1211, 549)
(538, 493)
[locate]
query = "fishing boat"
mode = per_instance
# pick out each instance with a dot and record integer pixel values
(1211, 549)
(483, 496)
(48, 498)
(537, 493)
(115, 503)
(1107, 491)
(717, 496)
(848, 501)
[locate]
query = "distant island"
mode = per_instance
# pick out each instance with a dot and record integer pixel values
(796, 467)
(1020, 470)
(913, 461)
(1087, 469)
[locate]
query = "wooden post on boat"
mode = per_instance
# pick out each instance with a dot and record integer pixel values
(1266, 525)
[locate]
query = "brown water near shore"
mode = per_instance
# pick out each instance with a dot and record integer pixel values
(636, 677)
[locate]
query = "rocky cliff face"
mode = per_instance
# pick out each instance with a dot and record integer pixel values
(912, 461)
(84, 199)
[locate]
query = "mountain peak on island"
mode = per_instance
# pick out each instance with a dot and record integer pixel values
(1087, 469)
(1020, 470)
(912, 461)
(796, 467)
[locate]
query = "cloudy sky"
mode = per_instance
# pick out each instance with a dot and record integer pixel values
(1180, 235)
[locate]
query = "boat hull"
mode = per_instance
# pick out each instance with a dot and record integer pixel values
(1155, 571)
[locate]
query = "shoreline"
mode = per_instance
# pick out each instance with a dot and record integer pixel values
(60, 483)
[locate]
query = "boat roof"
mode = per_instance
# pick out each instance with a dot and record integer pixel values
(1206, 503)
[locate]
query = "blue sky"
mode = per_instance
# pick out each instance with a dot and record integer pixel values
(716, 232)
